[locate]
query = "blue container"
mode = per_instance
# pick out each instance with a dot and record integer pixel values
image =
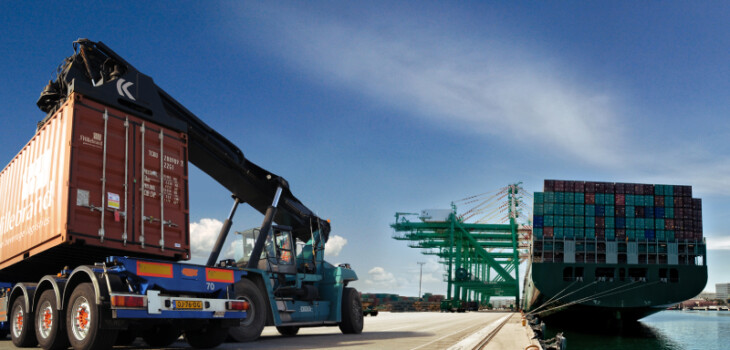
(600, 210)
(649, 234)
(620, 222)
(649, 212)
(538, 221)
(659, 212)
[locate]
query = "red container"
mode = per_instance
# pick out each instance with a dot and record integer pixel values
(620, 188)
(620, 199)
(620, 211)
(547, 231)
(549, 186)
(590, 187)
(658, 201)
(559, 186)
(590, 198)
(600, 223)
(669, 224)
(579, 186)
(66, 193)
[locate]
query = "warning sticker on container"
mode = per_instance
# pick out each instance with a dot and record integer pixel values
(112, 200)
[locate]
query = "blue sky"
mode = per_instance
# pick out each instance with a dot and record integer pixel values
(373, 108)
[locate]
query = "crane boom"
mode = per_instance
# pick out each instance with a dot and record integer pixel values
(98, 73)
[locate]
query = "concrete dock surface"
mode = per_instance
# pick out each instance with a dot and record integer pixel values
(408, 330)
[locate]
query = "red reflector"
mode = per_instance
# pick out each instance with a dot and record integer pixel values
(127, 301)
(237, 305)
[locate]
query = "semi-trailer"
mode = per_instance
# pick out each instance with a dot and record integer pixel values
(94, 226)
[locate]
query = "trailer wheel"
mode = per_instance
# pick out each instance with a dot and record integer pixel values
(83, 321)
(50, 328)
(212, 335)
(161, 335)
(251, 327)
(21, 325)
(374, 313)
(352, 319)
(288, 331)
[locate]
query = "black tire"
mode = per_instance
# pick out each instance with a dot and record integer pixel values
(210, 336)
(352, 319)
(288, 331)
(50, 325)
(126, 337)
(161, 335)
(373, 313)
(83, 321)
(251, 327)
(21, 325)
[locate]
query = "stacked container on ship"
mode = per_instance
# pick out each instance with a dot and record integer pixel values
(613, 252)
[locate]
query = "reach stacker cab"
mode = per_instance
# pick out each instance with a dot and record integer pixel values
(94, 226)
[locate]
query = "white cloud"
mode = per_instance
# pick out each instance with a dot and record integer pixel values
(203, 235)
(478, 85)
(334, 246)
(379, 278)
(718, 242)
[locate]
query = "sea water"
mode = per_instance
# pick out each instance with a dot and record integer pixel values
(666, 330)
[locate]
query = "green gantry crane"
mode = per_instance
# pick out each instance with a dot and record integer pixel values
(481, 259)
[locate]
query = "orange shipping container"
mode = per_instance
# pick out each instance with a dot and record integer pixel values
(93, 182)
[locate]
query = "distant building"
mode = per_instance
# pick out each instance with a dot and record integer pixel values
(722, 290)
(707, 296)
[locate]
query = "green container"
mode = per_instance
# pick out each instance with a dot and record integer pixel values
(590, 210)
(610, 223)
(549, 197)
(629, 200)
(558, 232)
(610, 210)
(670, 235)
(569, 197)
(559, 197)
(579, 232)
(649, 224)
(659, 224)
(569, 221)
(579, 221)
(630, 223)
(648, 200)
(631, 235)
(590, 222)
(669, 213)
(569, 233)
(610, 199)
(549, 221)
(590, 233)
(548, 208)
(669, 190)
(630, 211)
(669, 202)
(537, 232)
(658, 190)
(579, 209)
(610, 234)
(569, 209)
(661, 235)
(580, 198)
(559, 209)
(539, 197)
(599, 198)
(559, 221)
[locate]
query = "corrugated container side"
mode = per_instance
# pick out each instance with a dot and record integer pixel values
(67, 192)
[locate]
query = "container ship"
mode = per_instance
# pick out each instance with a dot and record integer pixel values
(613, 252)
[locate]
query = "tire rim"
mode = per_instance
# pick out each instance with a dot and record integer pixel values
(18, 316)
(45, 319)
(250, 313)
(81, 318)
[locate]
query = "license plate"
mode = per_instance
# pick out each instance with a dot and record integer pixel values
(188, 304)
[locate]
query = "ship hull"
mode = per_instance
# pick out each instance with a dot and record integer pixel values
(558, 295)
